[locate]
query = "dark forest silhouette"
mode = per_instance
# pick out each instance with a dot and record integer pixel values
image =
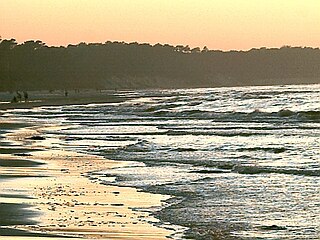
(118, 65)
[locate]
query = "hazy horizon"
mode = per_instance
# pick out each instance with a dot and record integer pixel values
(162, 43)
(221, 25)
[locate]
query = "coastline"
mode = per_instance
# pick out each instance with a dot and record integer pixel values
(51, 194)
(58, 98)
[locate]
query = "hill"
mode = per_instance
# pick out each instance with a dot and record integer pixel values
(33, 65)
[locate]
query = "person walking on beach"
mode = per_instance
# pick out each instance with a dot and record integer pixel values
(19, 96)
(26, 96)
(14, 99)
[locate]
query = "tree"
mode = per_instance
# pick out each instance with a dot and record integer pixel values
(33, 65)
(195, 50)
(205, 49)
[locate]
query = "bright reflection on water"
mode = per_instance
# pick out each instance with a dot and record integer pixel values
(244, 161)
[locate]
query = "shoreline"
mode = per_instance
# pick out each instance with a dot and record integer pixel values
(51, 185)
(57, 98)
(42, 98)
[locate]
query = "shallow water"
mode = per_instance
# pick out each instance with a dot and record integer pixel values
(243, 161)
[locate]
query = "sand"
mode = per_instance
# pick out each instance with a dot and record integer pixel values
(46, 192)
(57, 98)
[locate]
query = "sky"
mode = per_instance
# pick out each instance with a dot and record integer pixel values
(217, 24)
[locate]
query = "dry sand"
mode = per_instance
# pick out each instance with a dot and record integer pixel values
(46, 190)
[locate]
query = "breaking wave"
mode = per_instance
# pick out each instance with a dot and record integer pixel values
(261, 170)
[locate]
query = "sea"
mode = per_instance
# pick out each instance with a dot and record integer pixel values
(238, 162)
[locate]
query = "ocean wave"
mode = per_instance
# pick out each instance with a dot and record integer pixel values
(234, 116)
(158, 108)
(312, 115)
(261, 170)
(265, 149)
(146, 146)
(186, 113)
(140, 146)
(196, 132)
(184, 150)
(303, 115)
(210, 171)
(143, 146)
(196, 103)
(257, 95)
(119, 138)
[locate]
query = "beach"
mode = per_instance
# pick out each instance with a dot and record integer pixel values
(212, 163)
(46, 191)
(58, 98)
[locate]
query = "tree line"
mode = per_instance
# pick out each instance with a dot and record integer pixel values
(33, 65)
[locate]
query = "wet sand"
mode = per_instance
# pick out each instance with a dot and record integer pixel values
(57, 98)
(47, 192)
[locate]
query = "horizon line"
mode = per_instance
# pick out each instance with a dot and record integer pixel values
(163, 44)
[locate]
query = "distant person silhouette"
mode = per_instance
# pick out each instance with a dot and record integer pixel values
(19, 96)
(26, 96)
(14, 99)
(66, 93)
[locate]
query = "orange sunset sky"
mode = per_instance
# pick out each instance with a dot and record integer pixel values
(217, 24)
